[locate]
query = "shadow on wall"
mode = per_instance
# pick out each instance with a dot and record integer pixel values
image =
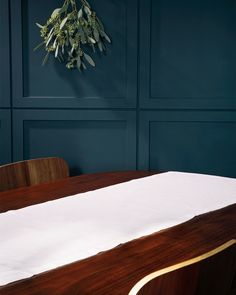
(101, 81)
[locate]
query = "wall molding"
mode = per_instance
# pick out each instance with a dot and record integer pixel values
(147, 118)
(22, 101)
(147, 100)
(5, 84)
(23, 119)
(5, 135)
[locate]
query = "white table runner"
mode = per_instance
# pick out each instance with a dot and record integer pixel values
(45, 236)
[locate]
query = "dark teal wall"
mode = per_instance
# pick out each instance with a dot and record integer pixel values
(163, 97)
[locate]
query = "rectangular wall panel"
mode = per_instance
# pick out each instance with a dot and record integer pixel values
(187, 54)
(90, 141)
(202, 142)
(4, 55)
(112, 83)
(5, 136)
(182, 71)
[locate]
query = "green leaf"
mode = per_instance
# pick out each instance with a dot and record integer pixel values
(89, 59)
(92, 40)
(49, 40)
(63, 22)
(80, 13)
(78, 62)
(51, 31)
(40, 26)
(87, 10)
(100, 46)
(64, 7)
(100, 23)
(106, 37)
(45, 59)
(82, 37)
(55, 12)
(55, 43)
(56, 52)
(38, 46)
(86, 3)
(96, 35)
(72, 49)
(84, 66)
(69, 31)
(60, 56)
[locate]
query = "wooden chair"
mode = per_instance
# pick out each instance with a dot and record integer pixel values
(31, 172)
(213, 273)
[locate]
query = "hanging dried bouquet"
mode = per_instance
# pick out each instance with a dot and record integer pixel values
(69, 32)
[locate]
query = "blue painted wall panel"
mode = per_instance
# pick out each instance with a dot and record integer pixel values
(5, 136)
(90, 141)
(187, 54)
(203, 142)
(4, 54)
(166, 88)
(111, 84)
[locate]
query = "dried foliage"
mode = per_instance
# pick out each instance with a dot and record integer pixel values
(69, 32)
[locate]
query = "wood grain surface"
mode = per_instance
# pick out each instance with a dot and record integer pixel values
(117, 270)
(210, 273)
(32, 172)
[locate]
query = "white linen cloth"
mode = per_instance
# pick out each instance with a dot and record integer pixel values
(45, 236)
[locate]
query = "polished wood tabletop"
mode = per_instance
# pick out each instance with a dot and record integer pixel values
(115, 271)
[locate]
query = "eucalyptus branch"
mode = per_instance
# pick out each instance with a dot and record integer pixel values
(68, 32)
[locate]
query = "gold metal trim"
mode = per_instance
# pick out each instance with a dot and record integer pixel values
(171, 268)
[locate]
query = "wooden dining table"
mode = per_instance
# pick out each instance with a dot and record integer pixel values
(115, 272)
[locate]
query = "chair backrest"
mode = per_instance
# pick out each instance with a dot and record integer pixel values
(211, 273)
(31, 172)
